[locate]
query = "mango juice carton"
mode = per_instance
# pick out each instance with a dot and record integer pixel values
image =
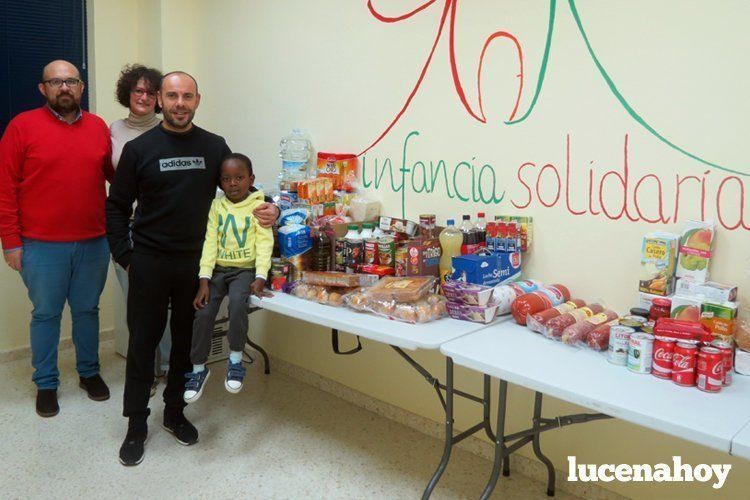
(695, 250)
(658, 261)
(686, 308)
(720, 319)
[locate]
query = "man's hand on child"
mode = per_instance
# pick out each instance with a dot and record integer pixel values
(258, 288)
(201, 298)
(267, 213)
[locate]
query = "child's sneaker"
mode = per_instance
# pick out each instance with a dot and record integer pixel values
(235, 375)
(194, 385)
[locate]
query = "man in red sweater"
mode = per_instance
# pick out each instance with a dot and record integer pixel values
(54, 161)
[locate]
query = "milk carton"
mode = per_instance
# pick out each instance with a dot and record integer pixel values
(658, 260)
(695, 250)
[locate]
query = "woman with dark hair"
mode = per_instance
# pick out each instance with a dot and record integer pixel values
(136, 90)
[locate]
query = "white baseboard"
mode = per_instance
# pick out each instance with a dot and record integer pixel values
(66, 343)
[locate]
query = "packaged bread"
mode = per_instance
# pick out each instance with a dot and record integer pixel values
(328, 295)
(428, 308)
(334, 278)
(402, 289)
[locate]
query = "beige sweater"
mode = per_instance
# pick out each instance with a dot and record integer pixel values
(128, 129)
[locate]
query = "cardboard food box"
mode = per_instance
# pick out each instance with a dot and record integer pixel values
(658, 261)
(645, 299)
(720, 319)
(423, 257)
(712, 291)
(489, 270)
(695, 250)
(686, 308)
(394, 225)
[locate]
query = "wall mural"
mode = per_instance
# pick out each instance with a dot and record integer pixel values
(580, 190)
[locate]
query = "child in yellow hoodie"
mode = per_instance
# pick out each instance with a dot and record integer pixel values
(235, 261)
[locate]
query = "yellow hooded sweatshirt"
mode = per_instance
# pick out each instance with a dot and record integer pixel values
(235, 238)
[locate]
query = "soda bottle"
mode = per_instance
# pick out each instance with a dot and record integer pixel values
(481, 230)
(470, 236)
(451, 240)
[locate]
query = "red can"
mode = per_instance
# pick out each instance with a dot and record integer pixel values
(710, 369)
(728, 351)
(663, 354)
(683, 364)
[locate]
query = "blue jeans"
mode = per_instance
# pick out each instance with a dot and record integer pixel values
(53, 274)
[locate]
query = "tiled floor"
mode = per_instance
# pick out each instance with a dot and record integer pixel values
(279, 438)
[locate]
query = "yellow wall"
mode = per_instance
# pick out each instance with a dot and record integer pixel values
(328, 66)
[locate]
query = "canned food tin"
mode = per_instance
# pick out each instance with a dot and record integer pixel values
(400, 261)
(340, 254)
(728, 351)
(710, 369)
(387, 251)
(279, 273)
(683, 364)
(617, 352)
(663, 355)
(371, 251)
(640, 352)
(427, 222)
(633, 321)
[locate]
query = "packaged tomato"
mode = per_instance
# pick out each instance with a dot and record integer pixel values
(598, 338)
(534, 302)
(555, 326)
(576, 333)
(536, 322)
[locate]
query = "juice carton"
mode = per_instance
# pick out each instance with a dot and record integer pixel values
(720, 319)
(686, 308)
(658, 260)
(695, 250)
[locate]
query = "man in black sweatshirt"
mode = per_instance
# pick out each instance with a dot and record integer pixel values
(172, 172)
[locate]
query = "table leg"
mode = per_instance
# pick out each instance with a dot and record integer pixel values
(448, 430)
(538, 447)
(500, 451)
(266, 363)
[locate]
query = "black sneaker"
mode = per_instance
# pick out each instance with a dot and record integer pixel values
(46, 403)
(184, 432)
(95, 387)
(132, 449)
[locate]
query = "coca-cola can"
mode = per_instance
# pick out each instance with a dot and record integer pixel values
(683, 364)
(663, 354)
(728, 351)
(710, 369)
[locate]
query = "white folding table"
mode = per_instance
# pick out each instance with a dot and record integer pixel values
(741, 443)
(399, 336)
(514, 354)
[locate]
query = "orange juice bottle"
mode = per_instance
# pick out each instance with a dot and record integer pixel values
(451, 240)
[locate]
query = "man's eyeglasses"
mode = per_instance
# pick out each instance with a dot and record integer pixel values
(57, 82)
(141, 93)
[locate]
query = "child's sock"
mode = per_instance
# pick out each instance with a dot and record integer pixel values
(198, 368)
(235, 357)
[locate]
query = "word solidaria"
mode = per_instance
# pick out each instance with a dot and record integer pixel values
(615, 194)
(658, 473)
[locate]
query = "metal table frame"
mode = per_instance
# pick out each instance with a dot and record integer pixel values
(505, 444)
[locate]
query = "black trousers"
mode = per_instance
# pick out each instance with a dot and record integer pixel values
(155, 281)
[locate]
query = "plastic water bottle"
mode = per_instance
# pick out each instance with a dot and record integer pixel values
(295, 150)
